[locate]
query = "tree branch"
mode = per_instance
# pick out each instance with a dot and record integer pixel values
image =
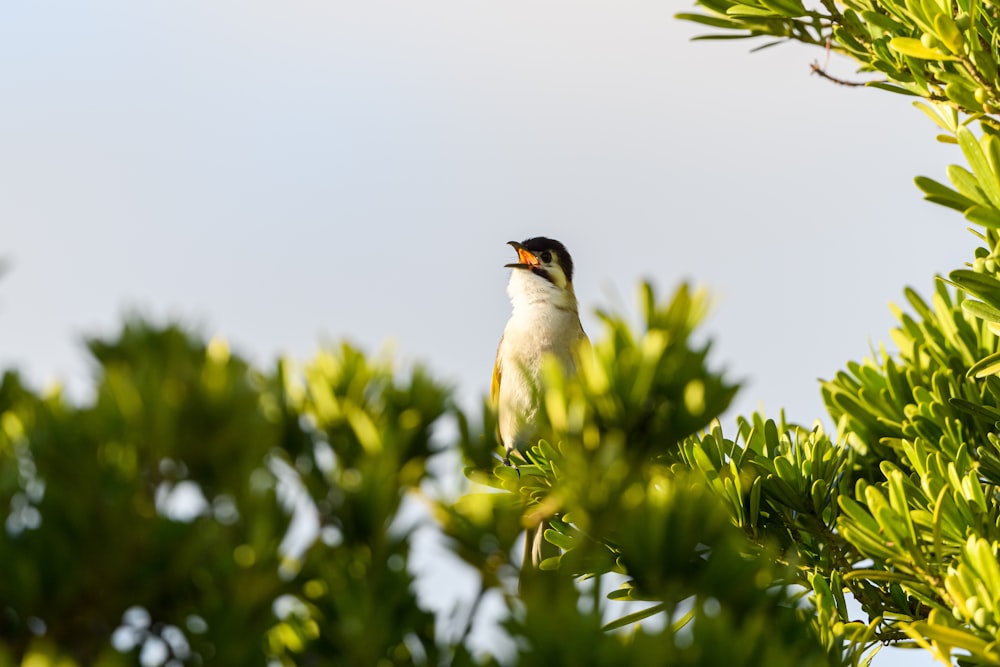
(816, 69)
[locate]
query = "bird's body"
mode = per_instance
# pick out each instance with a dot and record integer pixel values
(544, 321)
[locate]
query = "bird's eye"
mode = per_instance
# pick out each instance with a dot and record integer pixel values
(546, 256)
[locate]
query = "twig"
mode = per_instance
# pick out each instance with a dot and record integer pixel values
(821, 69)
(816, 69)
(472, 614)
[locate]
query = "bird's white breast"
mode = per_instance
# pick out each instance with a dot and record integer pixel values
(544, 321)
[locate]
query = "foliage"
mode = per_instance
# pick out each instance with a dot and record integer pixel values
(928, 520)
(94, 544)
(196, 509)
(369, 438)
(678, 543)
(899, 512)
(149, 521)
(921, 523)
(611, 479)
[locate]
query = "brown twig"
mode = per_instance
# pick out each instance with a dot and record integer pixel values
(821, 69)
(816, 69)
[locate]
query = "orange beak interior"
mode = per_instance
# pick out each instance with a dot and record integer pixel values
(525, 257)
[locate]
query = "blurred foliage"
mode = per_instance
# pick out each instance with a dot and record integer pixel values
(149, 524)
(369, 441)
(778, 525)
(616, 479)
(152, 522)
(155, 496)
(194, 509)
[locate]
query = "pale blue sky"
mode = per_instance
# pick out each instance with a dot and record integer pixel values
(286, 173)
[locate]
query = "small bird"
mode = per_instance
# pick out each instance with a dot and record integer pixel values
(544, 320)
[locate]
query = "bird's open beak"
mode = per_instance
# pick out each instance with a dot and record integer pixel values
(526, 260)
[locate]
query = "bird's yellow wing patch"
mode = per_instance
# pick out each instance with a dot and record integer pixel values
(497, 371)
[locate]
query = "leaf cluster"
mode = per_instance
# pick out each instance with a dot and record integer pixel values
(943, 51)
(898, 512)
(153, 518)
(915, 518)
(924, 515)
(616, 482)
(677, 541)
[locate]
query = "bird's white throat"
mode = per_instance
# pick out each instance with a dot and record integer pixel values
(528, 291)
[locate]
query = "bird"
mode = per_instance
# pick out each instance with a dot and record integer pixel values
(544, 320)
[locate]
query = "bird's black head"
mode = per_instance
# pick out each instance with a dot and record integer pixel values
(540, 245)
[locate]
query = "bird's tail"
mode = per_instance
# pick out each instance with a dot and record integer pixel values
(536, 549)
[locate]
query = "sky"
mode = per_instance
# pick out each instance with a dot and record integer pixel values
(289, 174)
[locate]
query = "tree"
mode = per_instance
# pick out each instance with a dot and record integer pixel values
(900, 509)
(146, 525)
(149, 523)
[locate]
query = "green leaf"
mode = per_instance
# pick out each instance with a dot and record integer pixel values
(974, 493)
(948, 33)
(934, 115)
(981, 168)
(963, 639)
(506, 473)
(909, 46)
(967, 184)
(991, 146)
(706, 38)
(847, 41)
(963, 94)
(883, 22)
(561, 540)
(714, 21)
(789, 8)
(635, 617)
(989, 365)
(858, 514)
(984, 412)
(942, 194)
(978, 284)
(820, 493)
(899, 90)
(746, 10)
(547, 450)
(786, 471)
(984, 61)
(982, 311)
(987, 216)
(755, 490)
(898, 500)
